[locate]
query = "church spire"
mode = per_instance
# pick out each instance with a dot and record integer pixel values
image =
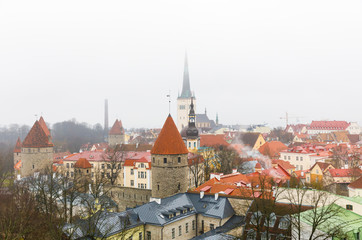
(186, 90)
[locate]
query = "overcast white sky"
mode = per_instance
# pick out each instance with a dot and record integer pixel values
(250, 61)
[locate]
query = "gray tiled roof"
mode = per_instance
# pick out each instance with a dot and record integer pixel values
(154, 213)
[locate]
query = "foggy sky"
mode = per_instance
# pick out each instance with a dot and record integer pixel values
(250, 61)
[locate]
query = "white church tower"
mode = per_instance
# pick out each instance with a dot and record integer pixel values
(184, 100)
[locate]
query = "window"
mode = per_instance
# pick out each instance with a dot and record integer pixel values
(164, 160)
(284, 223)
(255, 218)
(108, 166)
(142, 175)
(301, 158)
(251, 235)
(173, 233)
(148, 235)
(193, 224)
(71, 165)
(288, 157)
(212, 226)
(102, 166)
(132, 183)
(158, 187)
(179, 230)
(139, 185)
(139, 174)
(272, 219)
(187, 227)
(145, 174)
(71, 174)
(301, 167)
(132, 173)
(349, 207)
(67, 165)
(264, 236)
(189, 144)
(194, 144)
(285, 157)
(140, 235)
(296, 158)
(179, 159)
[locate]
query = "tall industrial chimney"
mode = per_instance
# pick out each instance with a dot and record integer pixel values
(106, 128)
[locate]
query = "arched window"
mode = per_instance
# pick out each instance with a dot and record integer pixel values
(284, 222)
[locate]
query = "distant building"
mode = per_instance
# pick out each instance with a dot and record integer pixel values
(137, 173)
(184, 100)
(36, 150)
(116, 134)
(190, 134)
(332, 126)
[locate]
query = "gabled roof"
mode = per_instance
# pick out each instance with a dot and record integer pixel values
(37, 138)
(169, 140)
(272, 149)
(209, 140)
(17, 148)
(82, 163)
(345, 172)
(283, 164)
(249, 138)
(323, 166)
(44, 126)
(117, 128)
(356, 184)
(329, 125)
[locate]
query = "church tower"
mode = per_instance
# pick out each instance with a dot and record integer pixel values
(190, 134)
(169, 162)
(184, 100)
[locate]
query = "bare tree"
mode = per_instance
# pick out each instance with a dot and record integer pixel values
(197, 170)
(323, 209)
(114, 157)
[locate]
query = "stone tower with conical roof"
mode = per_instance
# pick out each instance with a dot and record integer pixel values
(184, 100)
(36, 150)
(117, 134)
(169, 162)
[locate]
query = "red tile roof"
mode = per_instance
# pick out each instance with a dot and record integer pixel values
(17, 148)
(272, 149)
(44, 126)
(356, 184)
(82, 163)
(345, 172)
(117, 128)
(169, 140)
(284, 164)
(132, 162)
(329, 125)
(213, 140)
(37, 138)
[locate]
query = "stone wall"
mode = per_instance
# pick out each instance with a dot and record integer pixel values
(35, 160)
(127, 197)
(171, 177)
(113, 140)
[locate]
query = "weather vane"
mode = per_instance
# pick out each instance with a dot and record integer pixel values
(169, 101)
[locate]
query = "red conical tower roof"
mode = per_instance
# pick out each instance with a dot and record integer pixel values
(117, 128)
(169, 140)
(17, 148)
(82, 163)
(44, 126)
(37, 137)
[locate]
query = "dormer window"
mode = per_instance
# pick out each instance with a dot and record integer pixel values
(272, 219)
(255, 218)
(284, 222)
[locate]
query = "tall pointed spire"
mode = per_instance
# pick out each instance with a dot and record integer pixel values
(186, 90)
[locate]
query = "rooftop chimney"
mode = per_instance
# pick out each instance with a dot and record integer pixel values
(235, 170)
(202, 193)
(216, 196)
